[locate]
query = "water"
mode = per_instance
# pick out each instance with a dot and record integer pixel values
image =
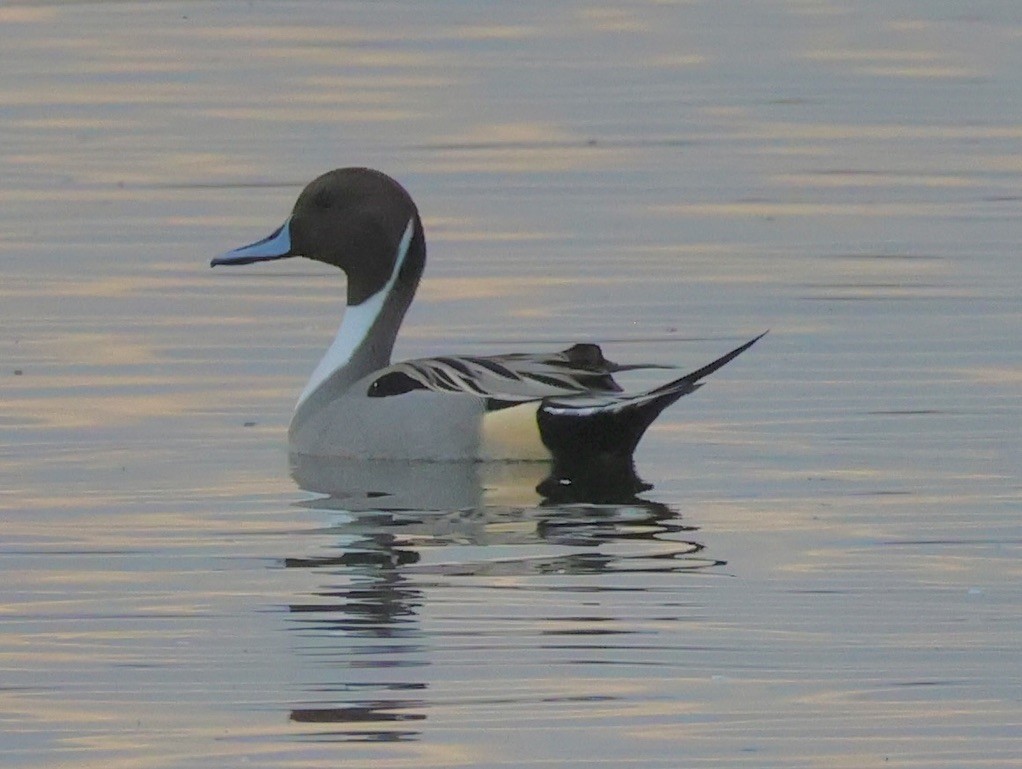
(827, 570)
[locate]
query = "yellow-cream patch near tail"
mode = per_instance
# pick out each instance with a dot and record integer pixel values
(512, 433)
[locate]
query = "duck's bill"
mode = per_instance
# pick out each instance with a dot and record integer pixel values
(274, 246)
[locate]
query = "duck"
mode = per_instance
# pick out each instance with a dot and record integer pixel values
(563, 407)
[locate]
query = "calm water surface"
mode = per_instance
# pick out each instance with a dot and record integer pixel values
(828, 570)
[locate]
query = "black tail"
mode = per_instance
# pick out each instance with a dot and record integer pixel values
(705, 371)
(605, 436)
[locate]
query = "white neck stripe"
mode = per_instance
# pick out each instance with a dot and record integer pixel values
(357, 322)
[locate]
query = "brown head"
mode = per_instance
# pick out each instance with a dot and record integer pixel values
(354, 219)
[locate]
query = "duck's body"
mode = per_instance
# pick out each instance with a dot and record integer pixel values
(562, 406)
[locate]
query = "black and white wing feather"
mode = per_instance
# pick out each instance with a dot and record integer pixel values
(507, 379)
(576, 382)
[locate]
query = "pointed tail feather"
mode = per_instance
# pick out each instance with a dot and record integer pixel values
(651, 403)
(585, 430)
(709, 368)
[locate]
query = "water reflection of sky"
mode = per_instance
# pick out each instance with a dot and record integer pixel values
(366, 629)
(826, 571)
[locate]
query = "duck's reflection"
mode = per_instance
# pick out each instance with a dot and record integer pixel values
(447, 485)
(398, 529)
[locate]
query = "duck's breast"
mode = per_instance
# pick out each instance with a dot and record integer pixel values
(417, 425)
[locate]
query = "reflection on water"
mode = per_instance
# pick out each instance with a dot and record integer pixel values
(446, 485)
(366, 627)
(360, 629)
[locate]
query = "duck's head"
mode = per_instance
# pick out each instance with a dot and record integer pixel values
(357, 219)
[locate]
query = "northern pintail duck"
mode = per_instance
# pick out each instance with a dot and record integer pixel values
(563, 406)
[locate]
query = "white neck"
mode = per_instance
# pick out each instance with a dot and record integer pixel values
(357, 324)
